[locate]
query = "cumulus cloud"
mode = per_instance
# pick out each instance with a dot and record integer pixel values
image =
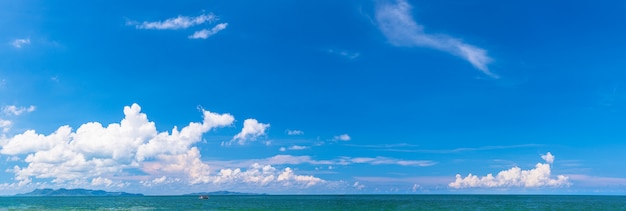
(96, 151)
(540, 176)
(396, 23)
(252, 129)
(294, 132)
(19, 43)
(358, 186)
(342, 137)
(549, 158)
(12, 110)
(160, 181)
(5, 125)
(415, 187)
(206, 33)
(180, 22)
(99, 181)
(15, 110)
(265, 175)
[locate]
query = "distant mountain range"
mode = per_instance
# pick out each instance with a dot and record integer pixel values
(75, 192)
(221, 193)
(87, 192)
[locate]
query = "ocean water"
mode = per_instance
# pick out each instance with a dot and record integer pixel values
(320, 202)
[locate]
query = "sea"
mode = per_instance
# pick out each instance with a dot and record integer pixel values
(320, 202)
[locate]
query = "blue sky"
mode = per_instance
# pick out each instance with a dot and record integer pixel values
(169, 97)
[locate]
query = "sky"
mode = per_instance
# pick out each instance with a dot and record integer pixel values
(313, 97)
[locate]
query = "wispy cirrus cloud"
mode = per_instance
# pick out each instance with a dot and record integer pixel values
(404, 147)
(540, 176)
(583, 180)
(344, 53)
(184, 22)
(206, 33)
(180, 22)
(390, 161)
(396, 23)
(342, 161)
(470, 149)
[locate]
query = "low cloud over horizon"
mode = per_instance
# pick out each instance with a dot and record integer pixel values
(540, 176)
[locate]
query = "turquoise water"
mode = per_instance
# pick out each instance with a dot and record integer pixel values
(322, 202)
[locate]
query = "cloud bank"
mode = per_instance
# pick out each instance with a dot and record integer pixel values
(112, 155)
(540, 176)
(265, 175)
(395, 21)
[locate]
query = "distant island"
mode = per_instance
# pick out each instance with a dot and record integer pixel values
(75, 192)
(220, 193)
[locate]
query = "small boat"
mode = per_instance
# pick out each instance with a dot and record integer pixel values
(204, 197)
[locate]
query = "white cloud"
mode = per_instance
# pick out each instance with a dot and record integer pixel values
(415, 187)
(5, 125)
(549, 158)
(159, 180)
(358, 186)
(540, 176)
(264, 175)
(294, 132)
(582, 180)
(390, 161)
(19, 43)
(180, 22)
(99, 181)
(294, 147)
(343, 137)
(251, 130)
(344, 53)
(397, 24)
(297, 147)
(14, 110)
(305, 159)
(94, 151)
(206, 33)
